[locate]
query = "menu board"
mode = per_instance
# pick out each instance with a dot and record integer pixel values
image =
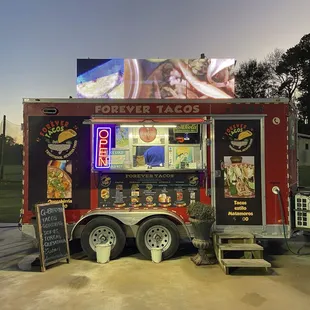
(148, 190)
(52, 233)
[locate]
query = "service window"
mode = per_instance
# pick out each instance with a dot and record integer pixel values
(156, 147)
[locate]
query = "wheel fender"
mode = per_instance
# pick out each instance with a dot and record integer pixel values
(130, 218)
(88, 217)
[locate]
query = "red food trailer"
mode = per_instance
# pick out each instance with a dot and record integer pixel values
(129, 168)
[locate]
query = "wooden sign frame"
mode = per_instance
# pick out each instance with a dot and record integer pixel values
(40, 236)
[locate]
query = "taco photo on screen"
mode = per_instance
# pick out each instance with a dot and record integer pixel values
(239, 177)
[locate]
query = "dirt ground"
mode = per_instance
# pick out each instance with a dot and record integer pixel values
(131, 282)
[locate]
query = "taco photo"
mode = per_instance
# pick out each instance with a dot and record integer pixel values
(59, 183)
(239, 177)
(105, 193)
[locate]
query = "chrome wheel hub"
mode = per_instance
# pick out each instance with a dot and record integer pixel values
(157, 237)
(102, 235)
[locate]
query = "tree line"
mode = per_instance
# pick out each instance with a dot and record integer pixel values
(280, 74)
(12, 153)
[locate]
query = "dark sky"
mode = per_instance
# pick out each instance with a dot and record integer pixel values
(41, 39)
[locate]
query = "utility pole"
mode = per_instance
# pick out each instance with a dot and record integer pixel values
(2, 148)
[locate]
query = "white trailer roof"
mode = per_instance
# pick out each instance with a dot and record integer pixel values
(159, 101)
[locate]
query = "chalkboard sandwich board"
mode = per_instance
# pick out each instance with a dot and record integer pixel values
(52, 234)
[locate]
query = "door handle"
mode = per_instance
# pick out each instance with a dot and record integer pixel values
(222, 165)
(218, 173)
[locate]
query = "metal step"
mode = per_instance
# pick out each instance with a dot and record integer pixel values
(242, 235)
(240, 247)
(244, 263)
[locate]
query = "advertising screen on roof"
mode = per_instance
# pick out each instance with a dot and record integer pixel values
(155, 78)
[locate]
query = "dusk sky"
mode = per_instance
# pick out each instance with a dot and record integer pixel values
(41, 39)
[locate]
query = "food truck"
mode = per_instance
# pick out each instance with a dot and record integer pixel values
(128, 168)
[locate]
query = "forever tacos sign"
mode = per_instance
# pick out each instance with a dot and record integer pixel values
(240, 137)
(60, 138)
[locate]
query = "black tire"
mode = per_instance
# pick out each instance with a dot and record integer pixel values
(145, 226)
(113, 225)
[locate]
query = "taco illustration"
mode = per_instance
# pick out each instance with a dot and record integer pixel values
(149, 187)
(244, 134)
(66, 135)
(193, 180)
(105, 193)
(182, 150)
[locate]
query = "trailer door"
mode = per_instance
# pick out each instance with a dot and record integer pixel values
(237, 176)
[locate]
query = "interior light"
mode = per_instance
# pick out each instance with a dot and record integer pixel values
(156, 126)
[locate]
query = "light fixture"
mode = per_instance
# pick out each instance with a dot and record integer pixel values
(142, 125)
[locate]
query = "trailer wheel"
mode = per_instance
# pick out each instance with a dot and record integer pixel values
(158, 233)
(102, 230)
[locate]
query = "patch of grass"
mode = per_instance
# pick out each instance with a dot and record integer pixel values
(10, 205)
(13, 186)
(13, 173)
(10, 202)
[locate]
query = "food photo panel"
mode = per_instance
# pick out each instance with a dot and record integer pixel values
(59, 179)
(239, 177)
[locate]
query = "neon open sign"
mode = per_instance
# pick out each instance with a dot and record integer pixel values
(102, 145)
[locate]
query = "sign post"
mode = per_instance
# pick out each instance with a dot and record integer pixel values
(2, 148)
